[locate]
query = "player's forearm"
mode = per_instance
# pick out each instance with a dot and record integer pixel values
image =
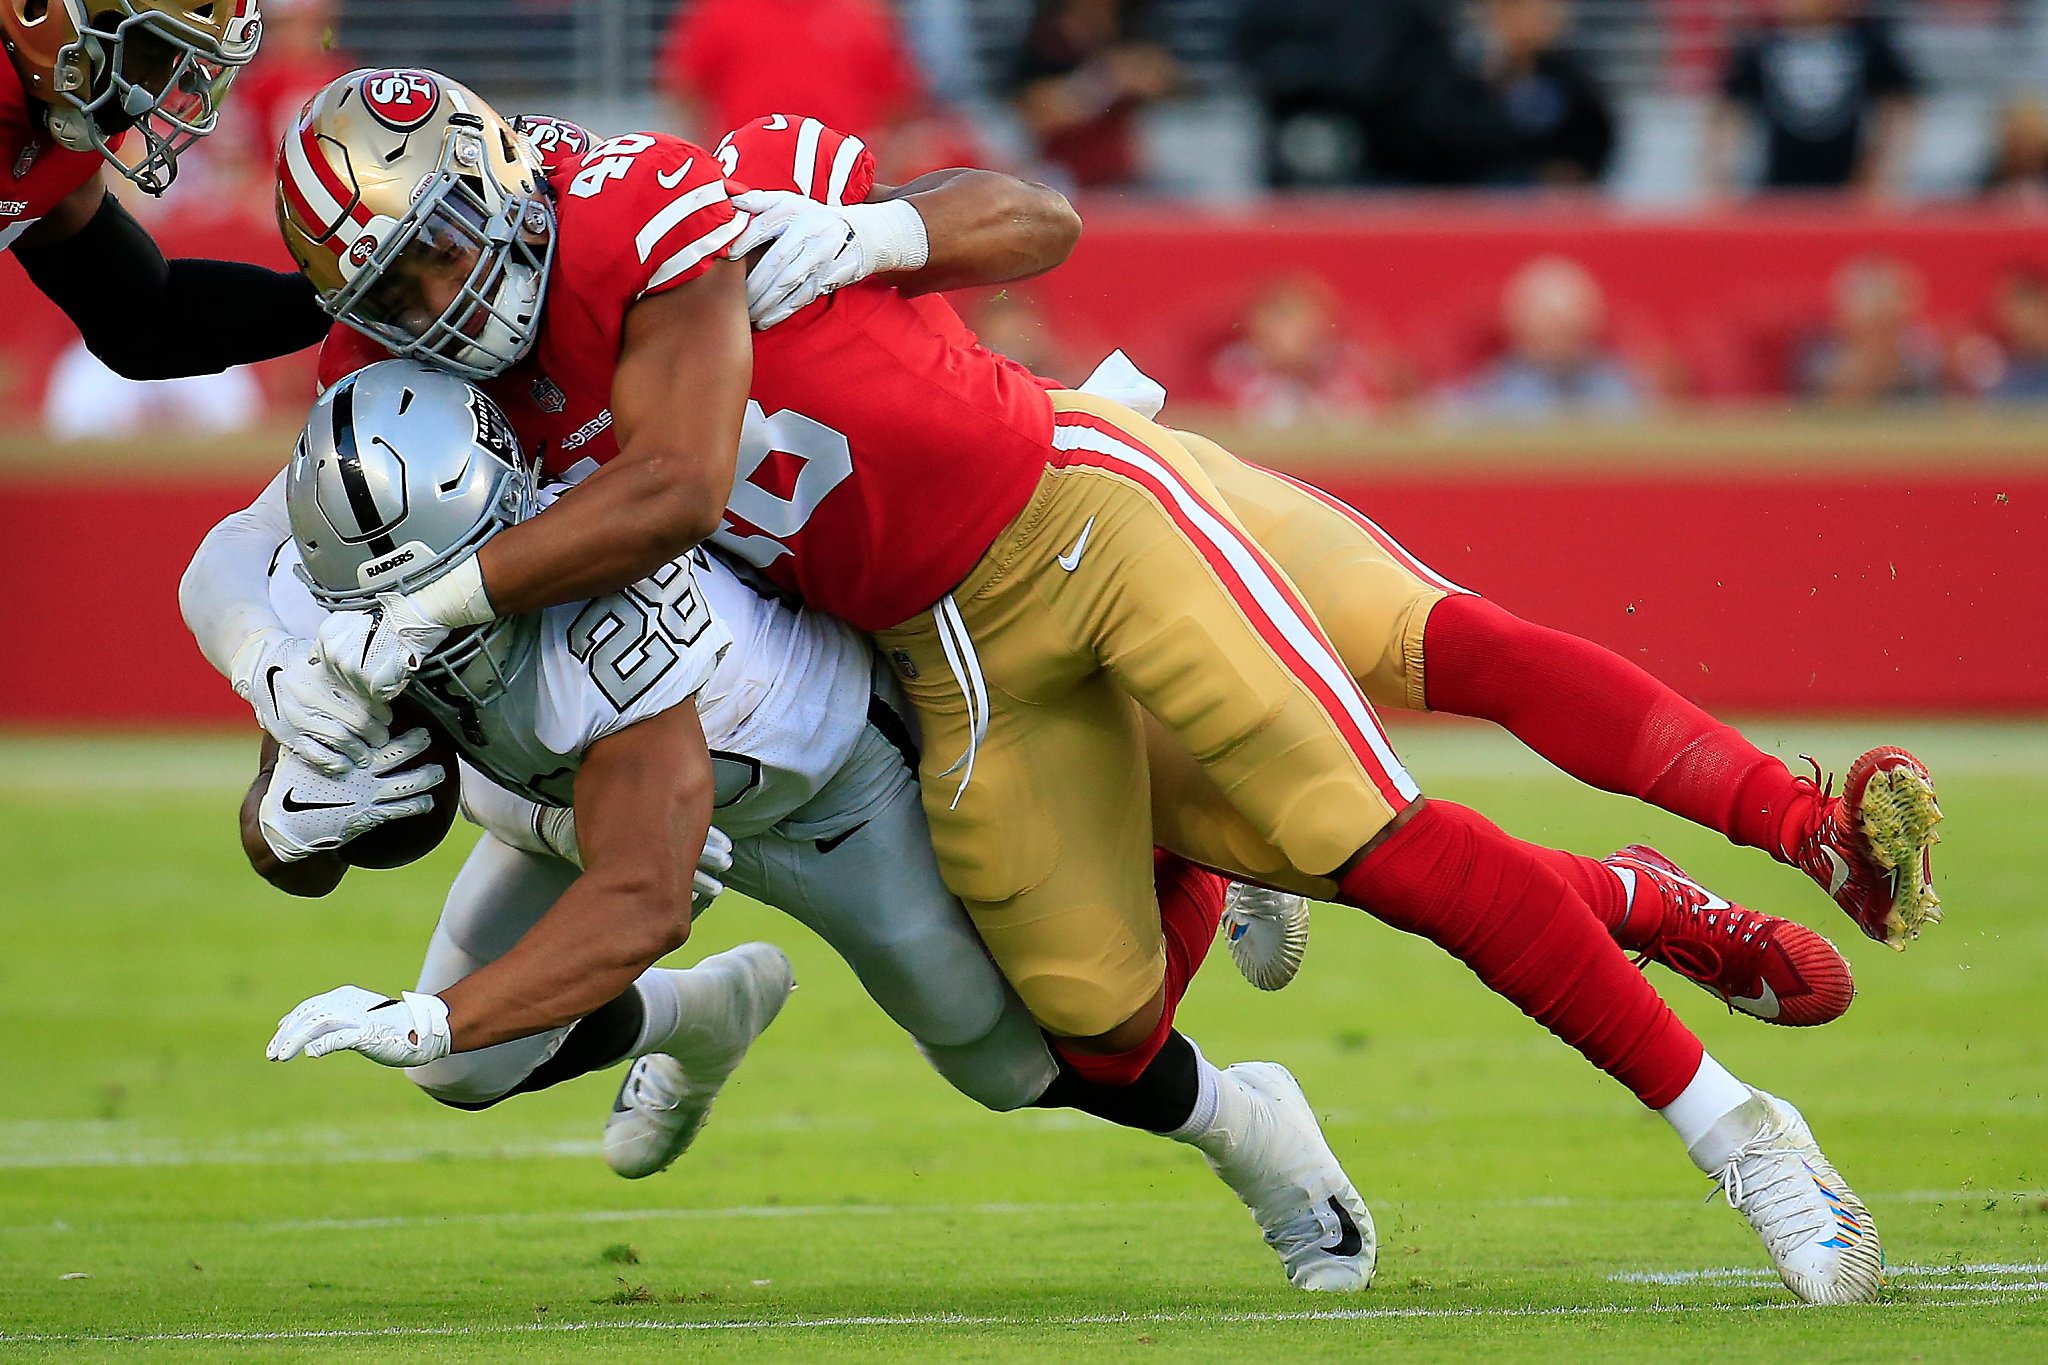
(620, 525)
(225, 593)
(986, 228)
(587, 950)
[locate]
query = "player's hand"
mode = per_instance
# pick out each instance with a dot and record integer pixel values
(411, 1030)
(308, 811)
(375, 653)
(821, 248)
(712, 865)
(304, 707)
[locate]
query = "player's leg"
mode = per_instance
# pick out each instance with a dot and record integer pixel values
(1414, 639)
(702, 1016)
(1200, 626)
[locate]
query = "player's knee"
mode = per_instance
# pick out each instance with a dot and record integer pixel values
(1008, 1069)
(1328, 821)
(453, 1082)
(1075, 1007)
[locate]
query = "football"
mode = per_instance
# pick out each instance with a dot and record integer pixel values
(408, 840)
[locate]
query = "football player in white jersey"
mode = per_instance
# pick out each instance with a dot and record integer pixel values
(803, 762)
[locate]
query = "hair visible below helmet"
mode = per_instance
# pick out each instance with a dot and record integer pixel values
(402, 472)
(157, 67)
(389, 167)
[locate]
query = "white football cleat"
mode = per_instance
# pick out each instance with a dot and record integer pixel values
(1818, 1232)
(1275, 1158)
(1267, 931)
(666, 1097)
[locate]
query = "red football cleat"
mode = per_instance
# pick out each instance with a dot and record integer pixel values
(1871, 847)
(1769, 968)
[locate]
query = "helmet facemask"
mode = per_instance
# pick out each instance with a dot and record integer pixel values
(461, 223)
(146, 72)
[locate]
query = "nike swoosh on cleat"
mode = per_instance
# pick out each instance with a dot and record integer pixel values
(1764, 1004)
(1840, 877)
(291, 803)
(1351, 1242)
(1071, 560)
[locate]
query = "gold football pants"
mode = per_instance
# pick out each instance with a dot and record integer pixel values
(1128, 579)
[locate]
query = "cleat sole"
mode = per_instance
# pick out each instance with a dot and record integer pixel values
(1899, 818)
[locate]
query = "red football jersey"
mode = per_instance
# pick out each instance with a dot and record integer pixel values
(36, 174)
(882, 452)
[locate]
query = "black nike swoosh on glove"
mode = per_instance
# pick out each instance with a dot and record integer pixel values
(293, 804)
(270, 684)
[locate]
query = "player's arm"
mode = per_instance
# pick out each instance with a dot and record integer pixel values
(643, 806)
(148, 318)
(679, 398)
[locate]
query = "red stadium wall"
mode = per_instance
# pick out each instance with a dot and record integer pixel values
(1814, 592)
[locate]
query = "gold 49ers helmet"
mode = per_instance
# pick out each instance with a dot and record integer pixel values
(420, 216)
(103, 67)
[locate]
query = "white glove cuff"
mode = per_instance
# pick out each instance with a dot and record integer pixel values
(430, 1022)
(249, 658)
(455, 599)
(893, 235)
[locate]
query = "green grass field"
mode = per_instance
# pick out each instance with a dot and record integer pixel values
(165, 1193)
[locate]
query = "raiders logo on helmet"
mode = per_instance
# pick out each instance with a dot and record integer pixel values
(400, 99)
(548, 395)
(493, 432)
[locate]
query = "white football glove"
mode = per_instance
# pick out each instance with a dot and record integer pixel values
(712, 866)
(304, 707)
(819, 248)
(411, 1030)
(307, 811)
(376, 653)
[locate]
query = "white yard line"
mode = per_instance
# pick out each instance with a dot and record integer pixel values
(968, 1320)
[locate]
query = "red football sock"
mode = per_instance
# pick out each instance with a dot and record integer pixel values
(1452, 877)
(1608, 723)
(1190, 909)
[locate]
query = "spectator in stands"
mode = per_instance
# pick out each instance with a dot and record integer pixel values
(1085, 69)
(1559, 116)
(1291, 364)
(2019, 164)
(1556, 364)
(725, 62)
(298, 58)
(1878, 349)
(1831, 92)
(2010, 363)
(1369, 93)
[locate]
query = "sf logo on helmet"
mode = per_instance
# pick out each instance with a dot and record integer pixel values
(400, 100)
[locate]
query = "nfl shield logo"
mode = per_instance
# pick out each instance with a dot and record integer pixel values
(548, 395)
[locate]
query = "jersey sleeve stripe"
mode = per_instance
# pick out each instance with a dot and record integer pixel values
(806, 170)
(709, 244)
(661, 224)
(842, 169)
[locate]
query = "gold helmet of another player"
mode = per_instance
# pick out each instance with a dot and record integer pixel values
(104, 67)
(420, 216)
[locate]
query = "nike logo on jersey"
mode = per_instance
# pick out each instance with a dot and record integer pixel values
(1071, 560)
(292, 803)
(669, 180)
(1840, 877)
(1764, 1004)
(1350, 1242)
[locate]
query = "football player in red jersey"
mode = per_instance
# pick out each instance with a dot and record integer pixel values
(84, 80)
(1038, 563)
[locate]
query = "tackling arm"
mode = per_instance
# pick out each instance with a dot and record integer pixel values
(643, 806)
(984, 228)
(148, 318)
(679, 398)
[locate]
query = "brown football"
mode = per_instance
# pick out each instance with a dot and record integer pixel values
(408, 840)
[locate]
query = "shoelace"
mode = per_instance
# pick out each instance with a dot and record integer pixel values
(1780, 1186)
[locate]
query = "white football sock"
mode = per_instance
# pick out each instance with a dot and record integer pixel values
(1627, 877)
(1220, 1114)
(661, 997)
(1712, 1095)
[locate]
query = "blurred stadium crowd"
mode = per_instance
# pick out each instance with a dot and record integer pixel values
(1858, 108)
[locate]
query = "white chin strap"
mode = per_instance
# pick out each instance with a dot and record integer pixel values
(502, 336)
